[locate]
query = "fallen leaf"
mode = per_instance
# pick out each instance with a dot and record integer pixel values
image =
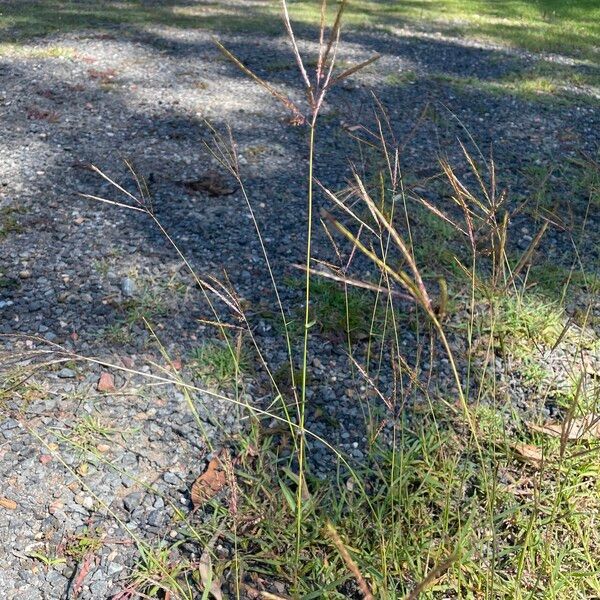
(128, 362)
(528, 453)
(38, 114)
(209, 581)
(586, 428)
(254, 593)
(84, 569)
(212, 183)
(103, 75)
(106, 382)
(212, 481)
(8, 504)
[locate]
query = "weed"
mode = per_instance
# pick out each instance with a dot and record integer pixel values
(160, 570)
(81, 544)
(9, 224)
(102, 266)
(47, 559)
(555, 280)
(118, 333)
(441, 501)
(339, 311)
(528, 319)
(9, 284)
(23, 51)
(148, 306)
(402, 78)
(216, 362)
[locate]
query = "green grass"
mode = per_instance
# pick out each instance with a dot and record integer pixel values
(9, 222)
(23, 19)
(218, 363)
(402, 78)
(538, 25)
(18, 50)
(556, 281)
(427, 502)
(336, 311)
(529, 319)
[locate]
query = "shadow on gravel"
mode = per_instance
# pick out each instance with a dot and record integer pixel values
(142, 96)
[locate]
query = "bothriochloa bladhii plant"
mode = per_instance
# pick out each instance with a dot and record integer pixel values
(316, 87)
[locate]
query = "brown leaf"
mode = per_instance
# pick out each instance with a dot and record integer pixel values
(209, 580)
(212, 481)
(103, 75)
(212, 183)
(38, 114)
(586, 428)
(528, 453)
(84, 569)
(8, 504)
(106, 383)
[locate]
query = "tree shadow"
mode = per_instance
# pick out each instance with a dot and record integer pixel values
(75, 112)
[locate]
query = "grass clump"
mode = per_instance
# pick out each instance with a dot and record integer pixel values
(529, 319)
(9, 223)
(340, 310)
(219, 363)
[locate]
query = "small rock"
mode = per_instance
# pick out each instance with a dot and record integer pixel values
(156, 518)
(172, 479)
(106, 383)
(128, 287)
(66, 373)
(132, 501)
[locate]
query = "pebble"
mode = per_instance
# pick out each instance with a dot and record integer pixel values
(66, 373)
(128, 287)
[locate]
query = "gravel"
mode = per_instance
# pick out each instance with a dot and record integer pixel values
(84, 274)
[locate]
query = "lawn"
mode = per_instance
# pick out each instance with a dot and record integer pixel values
(571, 28)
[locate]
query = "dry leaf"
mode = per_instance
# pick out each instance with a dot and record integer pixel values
(8, 504)
(212, 481)
(211, 183)
(84, 570)
(528, 453)
(262, 594)
(106, 382)
(209, 581)
(587, 428)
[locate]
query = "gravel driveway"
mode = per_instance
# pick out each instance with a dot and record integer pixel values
(82, 274)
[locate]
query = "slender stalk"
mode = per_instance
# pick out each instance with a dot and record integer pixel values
(302, 406)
